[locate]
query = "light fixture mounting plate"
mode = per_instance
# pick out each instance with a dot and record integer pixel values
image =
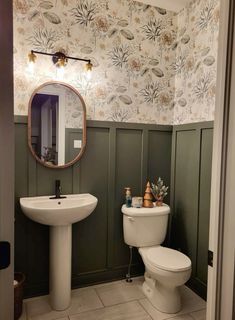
(59, 56)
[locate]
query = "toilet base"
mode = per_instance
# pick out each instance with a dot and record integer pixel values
(165, 299)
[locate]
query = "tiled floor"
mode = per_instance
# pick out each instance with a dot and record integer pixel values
(113, 301)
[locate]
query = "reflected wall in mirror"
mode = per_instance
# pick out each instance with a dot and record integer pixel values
(56, 125)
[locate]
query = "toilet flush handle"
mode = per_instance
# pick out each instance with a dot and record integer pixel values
(131, 219)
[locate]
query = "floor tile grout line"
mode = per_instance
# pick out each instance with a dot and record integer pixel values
(182, 314)
(119, 303)
(144, 309)
(110, 306)
(191, 313)
(96, 291)
(173, 316)
(90, 310)
(197, 310)
(179, 315)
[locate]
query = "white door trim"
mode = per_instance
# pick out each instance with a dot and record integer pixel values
(219, 163)
(227, 257)
(6, 157)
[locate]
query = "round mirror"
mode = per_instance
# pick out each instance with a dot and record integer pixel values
(56, 125)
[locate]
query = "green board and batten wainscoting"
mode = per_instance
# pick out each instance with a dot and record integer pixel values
(190, 196)
(117, 155)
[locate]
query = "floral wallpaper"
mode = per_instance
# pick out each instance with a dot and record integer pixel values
(73, 110)
(196, 62)
(129, 44)
(150, 65)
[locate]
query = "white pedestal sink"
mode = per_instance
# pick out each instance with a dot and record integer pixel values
(59, 214)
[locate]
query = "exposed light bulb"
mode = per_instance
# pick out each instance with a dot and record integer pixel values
(31, 67)
(60, 72)
(88, 74)
(88, 68)
(31, 62)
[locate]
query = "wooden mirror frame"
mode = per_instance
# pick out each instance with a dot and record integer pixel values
(30, 126)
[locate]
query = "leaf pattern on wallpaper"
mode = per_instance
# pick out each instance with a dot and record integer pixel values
(185, 39)
(125, 99)
(121, 89)
(179, 64)
(152, 29)
(120, 114)
(144, 71)
(161, 11)
(206, 15)
(86, 50)
(151, 91)
(43, 39)
(153, 62)
(52, 17)
(182, 102)
(158, 72)
(46, 5)
(111, 99)
(84, 12)
(202, 86)
(112, 32)
(209, 61)
(123, 23)
(144, 57)
(127, 34)
(119, 56)
(195, 67)
(33, 15)
(205, 51)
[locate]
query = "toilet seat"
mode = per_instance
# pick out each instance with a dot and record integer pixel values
(166, 259)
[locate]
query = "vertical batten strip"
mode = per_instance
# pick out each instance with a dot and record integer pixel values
(111, 196)
(76, 177)
(144, 156)
(199, 148)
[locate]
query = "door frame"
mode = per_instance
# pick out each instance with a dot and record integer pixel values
(219, 162)
(7, 157)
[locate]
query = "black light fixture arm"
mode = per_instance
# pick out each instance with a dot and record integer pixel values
(60, 54)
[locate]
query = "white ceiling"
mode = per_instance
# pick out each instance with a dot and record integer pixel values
(173, 5)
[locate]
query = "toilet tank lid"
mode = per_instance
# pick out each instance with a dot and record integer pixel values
(168, 259)
(138, 212)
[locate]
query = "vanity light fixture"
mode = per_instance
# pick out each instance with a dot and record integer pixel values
(32, 59)
(88, 67)
(59, 59)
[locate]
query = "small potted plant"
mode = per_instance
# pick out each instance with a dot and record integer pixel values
(159, 191)
(49, 155)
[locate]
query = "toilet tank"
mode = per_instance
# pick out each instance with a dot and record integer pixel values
(145, 227)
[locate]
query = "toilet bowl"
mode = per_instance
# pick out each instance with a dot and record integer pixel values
(165, 269)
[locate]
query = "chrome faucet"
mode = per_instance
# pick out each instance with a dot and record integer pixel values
(58, 191)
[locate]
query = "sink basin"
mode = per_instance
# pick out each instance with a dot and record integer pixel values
(59, 212)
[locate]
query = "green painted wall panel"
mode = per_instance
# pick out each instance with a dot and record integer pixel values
(190, 202)
(186, 189)
(159, 157)
(70, 136)
(90, 235)
(128, 174)
(116, 155)
(31, 239)
(204, 204)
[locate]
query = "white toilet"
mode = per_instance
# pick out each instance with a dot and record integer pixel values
(165, 269)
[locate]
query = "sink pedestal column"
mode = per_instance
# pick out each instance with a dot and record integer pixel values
(60, 266)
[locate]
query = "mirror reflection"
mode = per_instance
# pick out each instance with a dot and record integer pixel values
(57, 125)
